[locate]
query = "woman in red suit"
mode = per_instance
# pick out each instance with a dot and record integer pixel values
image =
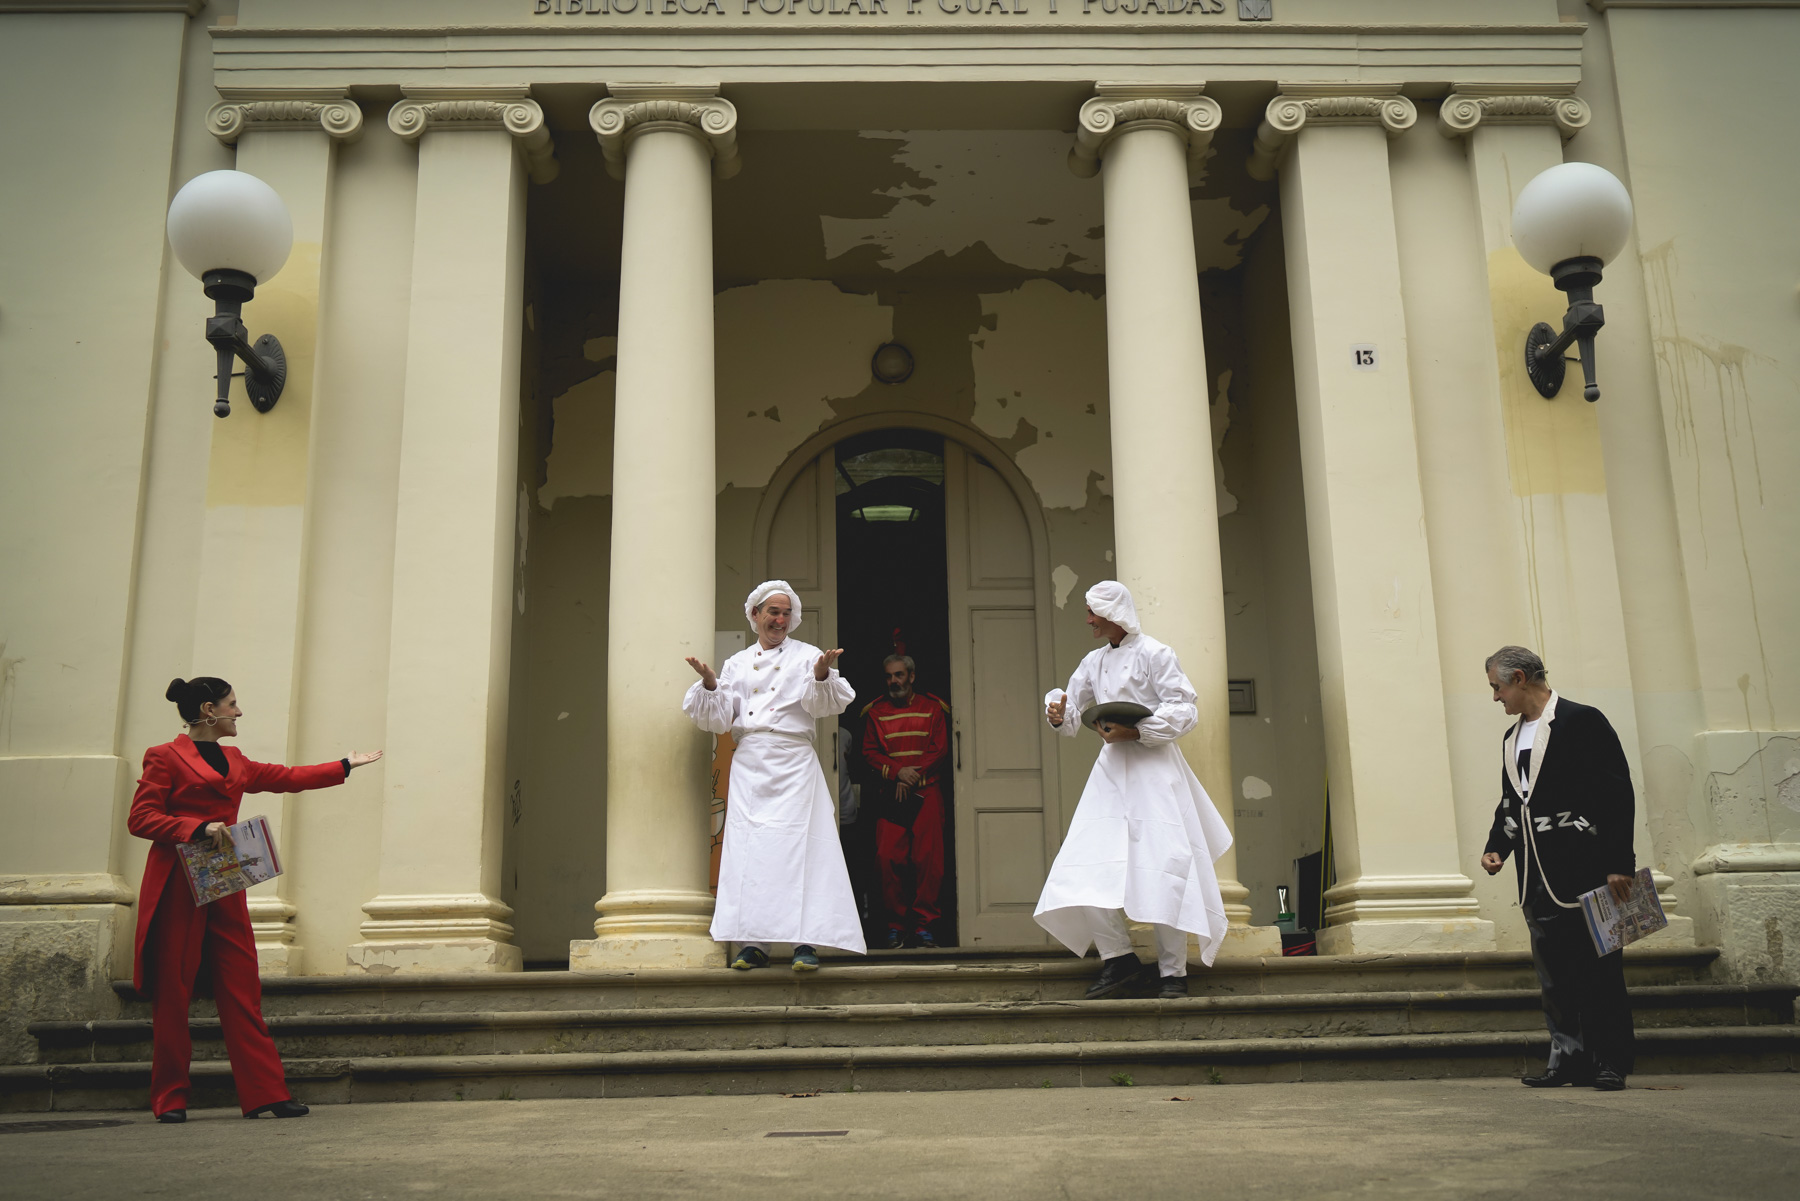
(190, 790)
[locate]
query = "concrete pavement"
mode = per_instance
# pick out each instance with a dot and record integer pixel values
(1683, 1137)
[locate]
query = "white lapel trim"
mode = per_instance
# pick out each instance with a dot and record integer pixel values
(1526, 788)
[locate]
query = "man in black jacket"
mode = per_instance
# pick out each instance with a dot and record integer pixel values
(1566, 812)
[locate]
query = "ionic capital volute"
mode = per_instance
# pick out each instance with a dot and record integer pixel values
(1117, 108)
(637, 109)
(427, 110)
(244, 110)
(1471, 106)
(1302, 105)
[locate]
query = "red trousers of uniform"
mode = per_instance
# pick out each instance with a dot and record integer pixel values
(917, 851)
(181, 937)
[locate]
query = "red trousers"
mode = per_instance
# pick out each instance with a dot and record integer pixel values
(917, 851)
(181, 937)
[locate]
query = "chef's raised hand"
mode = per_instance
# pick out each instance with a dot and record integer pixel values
(706, 673)
(826, 662)
(1056, 708)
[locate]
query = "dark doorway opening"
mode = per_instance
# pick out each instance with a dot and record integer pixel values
(893, 597)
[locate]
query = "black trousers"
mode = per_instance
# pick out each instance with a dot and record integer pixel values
(1585, 1004)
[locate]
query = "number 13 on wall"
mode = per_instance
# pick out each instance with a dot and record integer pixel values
(1364, 358)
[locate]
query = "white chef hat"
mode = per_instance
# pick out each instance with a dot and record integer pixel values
(1112, 600)
(763, 592)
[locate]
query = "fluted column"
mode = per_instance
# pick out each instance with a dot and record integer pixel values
(1401, 883)
(254, 532)
(1561, 499)
(1165, 508)
(439, 907)
(667, 143)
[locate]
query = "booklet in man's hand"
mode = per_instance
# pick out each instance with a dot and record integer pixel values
(248, 859)
(1613, 924)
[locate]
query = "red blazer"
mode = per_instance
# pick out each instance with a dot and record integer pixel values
(180, 793)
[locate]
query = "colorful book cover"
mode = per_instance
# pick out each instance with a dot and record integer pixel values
(249, 857)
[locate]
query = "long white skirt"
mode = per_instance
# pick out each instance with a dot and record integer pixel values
(1144, 840)
(781, 871)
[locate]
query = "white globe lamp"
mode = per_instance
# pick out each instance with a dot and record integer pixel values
(232, 231)
(1569, 222)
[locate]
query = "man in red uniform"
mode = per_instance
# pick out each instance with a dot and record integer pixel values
(906, 740)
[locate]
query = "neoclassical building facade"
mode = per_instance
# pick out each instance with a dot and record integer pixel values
(1215, 297)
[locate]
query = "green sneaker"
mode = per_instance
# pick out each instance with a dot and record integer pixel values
(806, 959)
(750, 957)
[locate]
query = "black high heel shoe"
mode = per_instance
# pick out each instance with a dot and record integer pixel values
(281, 1109)
(173, 1116)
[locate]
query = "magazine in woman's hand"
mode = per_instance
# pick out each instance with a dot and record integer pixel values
(247, 858)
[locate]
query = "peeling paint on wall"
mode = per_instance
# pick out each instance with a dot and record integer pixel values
(970, 177)
(1257, 789)
(1225, 232)
(581, 447)
(1040, 360)
(1063, 580)
(1220, 411)
(787, 348)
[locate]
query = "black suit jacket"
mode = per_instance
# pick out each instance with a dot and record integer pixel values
(1582, 812)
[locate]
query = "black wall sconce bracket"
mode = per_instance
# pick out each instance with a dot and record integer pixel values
(1544, 347)
(265, 363)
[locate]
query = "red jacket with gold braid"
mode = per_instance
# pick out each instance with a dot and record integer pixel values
(916, 734)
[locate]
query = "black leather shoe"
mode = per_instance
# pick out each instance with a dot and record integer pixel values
(1608, 1081)
(281, 1109)
(1172, 988)
(1116, 973)
(1557, 1077)
(173, 1116)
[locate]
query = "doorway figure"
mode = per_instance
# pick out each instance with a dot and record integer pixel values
(893, 599)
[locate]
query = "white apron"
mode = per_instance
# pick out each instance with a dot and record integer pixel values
(781, 871)
(1145, 835)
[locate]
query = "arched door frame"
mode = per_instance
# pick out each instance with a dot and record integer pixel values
(975, 443)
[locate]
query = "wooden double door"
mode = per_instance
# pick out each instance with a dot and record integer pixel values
(1006, 800)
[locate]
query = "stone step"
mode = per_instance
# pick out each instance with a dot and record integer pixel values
(1156, 1063)
(891, 978)
(697, 1028)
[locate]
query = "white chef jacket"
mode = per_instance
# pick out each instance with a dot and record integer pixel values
(781, 870)
(1145, 835)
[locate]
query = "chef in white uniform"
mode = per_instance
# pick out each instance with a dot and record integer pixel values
(781, 871)
(1145, 834)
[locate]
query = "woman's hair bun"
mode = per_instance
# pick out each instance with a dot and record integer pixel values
(189, 695)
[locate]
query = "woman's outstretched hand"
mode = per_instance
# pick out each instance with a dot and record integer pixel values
(358, 758)
(706, 673)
